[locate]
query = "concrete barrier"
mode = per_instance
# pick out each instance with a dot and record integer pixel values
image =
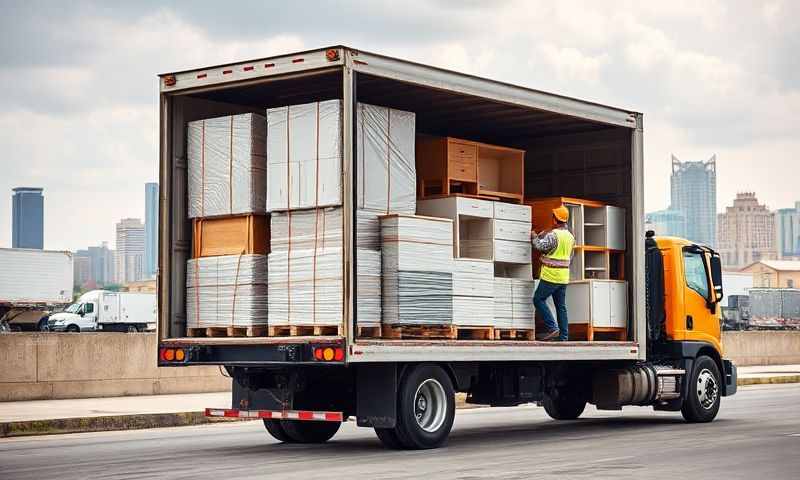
(41, 366)
(762, 348)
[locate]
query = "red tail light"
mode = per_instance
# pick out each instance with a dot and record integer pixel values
(328, 354)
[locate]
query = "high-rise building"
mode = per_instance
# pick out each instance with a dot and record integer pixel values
(81, 268)
(27, 211)
(667, 222)
(787, 232)
(746, 232)
(694, 194)
(150, 229)
(130, 250)
(100, 266)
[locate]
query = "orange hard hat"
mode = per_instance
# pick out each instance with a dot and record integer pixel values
(561, 213)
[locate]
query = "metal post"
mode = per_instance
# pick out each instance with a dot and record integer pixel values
(350, 197)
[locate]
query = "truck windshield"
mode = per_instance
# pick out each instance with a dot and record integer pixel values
(73, 308)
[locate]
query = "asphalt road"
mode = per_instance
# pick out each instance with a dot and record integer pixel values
(757, 435)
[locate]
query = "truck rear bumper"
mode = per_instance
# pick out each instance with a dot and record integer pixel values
(301, 415)
(731, 378)
(248, 351)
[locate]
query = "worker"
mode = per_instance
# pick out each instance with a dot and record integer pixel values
(555, 246)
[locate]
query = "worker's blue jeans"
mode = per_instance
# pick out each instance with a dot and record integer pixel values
(559, 293)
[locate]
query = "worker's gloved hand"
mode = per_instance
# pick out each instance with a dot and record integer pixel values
(534, 234)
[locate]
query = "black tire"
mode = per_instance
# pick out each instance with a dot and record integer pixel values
(310, 431)
(133, 329)
(73, 329)
(439, 419)
(42, 325)
(703, 394)
(389, 438)
(275, 429)
(564, 406)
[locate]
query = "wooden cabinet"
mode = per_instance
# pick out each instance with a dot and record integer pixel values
(447, 165)
(597, 306)
(244, 234)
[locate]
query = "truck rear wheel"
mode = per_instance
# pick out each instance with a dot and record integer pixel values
(275, 429)
(425, 408)
(564, 406)
(703, 393)
(73, 329)
(308, 431)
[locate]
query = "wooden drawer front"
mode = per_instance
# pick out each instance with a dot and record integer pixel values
(462, 161)
(474, 267)
(463, 170)
(508, 211)
(512, 252)
(474, 207)
(511, 230)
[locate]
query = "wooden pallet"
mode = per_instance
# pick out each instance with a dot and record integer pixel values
(587, 332)
(514, 334)
(420, 332)
(474, 333)
(304, 330)
(254, 331)
(369, 332)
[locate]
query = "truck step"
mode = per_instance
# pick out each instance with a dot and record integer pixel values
(304, 330)
(253, 331)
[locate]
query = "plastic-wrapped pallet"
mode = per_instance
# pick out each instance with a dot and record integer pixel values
(417, 257)
(306, 287)
(227, 165)
(226, 291)
(473, 298)
(387, 177)
(321, 228)
(304, 156)
(513, 303)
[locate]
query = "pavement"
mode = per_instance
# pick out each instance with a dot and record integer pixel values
(38, 417)
(756, 435)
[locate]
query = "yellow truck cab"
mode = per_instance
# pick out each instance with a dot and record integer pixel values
(683, 291)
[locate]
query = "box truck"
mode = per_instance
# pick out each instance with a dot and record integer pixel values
(101, 310)
(32, 284)
(304, 387)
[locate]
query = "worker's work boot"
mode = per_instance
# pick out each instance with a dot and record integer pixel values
(549, 336)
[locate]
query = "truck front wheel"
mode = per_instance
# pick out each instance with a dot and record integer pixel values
(73, 329)
(703, 393)
(308, 431)
(564, 407)
(426, 409)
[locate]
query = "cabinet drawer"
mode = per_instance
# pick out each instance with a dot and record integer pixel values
(511, 230)
(461, 153)
(512, 252)
(510, 211)
(474, 207)
(463, 169)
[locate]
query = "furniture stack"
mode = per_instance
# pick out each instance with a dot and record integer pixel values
(597, 297)
(226, 278)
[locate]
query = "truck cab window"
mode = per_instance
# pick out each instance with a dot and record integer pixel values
(695, 270)
(88, 308)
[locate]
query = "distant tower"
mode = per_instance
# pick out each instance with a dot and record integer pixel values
(150, 229)
(27, 218)
(746, 232)
(694, 194)
(130, 250)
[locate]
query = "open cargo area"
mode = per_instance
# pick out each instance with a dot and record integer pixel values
(390, 206)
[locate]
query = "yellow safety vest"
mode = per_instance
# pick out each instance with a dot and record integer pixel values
(555, 265)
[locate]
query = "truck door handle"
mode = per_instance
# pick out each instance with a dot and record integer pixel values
(689, 322)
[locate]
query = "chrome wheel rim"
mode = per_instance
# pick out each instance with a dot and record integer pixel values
(430, 405)
(707, 389)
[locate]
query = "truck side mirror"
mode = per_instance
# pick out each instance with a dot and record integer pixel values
(716, 278)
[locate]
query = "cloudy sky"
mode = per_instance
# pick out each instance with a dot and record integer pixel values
(78, 85)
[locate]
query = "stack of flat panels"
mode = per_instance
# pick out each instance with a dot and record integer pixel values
(473, 298)
(226, 291)
(321, 228)
(306, 287)
(227, 165)
(513, 303)
(417, 270)
(304, 153)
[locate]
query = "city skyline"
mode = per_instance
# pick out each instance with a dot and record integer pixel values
(150, 229)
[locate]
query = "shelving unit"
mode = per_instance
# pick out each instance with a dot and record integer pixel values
(447, 165)
(473, 222)
(597, 306)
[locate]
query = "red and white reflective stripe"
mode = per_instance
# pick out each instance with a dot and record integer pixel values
(277, 414)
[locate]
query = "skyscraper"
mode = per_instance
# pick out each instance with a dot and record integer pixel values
(150, 229)
(746, 232)
(787, 232)
(27, 211)
(130, 250)
(667, 222)
(694, 194)
(100, 265)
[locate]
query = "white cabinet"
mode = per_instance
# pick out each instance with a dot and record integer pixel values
(511, 230)
(598, 303)
(473, 228)
(604, 227)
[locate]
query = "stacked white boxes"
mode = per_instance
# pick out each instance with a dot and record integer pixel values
(227, 165)
(226, 291)
(417, 262)
(473, 296)
(305, 196)
(512, 234)
(226, 159)
(513, 303)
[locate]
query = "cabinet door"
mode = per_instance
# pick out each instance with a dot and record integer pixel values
(618, 302)
(615, 228)
(601, 308)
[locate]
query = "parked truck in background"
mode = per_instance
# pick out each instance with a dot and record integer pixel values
(101, 310)
(304, 387)
(33, 283)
